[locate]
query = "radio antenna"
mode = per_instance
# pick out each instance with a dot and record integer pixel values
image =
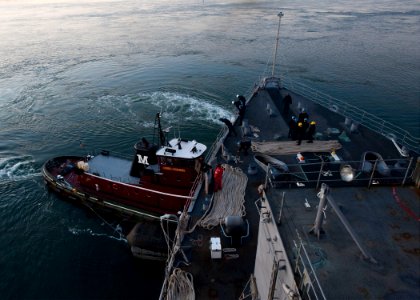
(280, 14)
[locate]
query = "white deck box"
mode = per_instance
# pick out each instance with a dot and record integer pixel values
(215, 248)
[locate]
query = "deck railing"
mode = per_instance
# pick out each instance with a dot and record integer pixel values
(309, 285)
(214, 148)
(355, 114)
(397, 171)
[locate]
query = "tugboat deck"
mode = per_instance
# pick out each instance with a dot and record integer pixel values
(105, 165)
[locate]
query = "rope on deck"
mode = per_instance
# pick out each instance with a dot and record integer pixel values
(290, 147)
(180, 286)
(229, 201)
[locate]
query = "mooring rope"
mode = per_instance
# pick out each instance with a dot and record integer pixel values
(116, 229)
(180, 286)
(229, 201)
(168, 240)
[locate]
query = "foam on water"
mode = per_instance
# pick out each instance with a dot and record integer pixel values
(178, 108)
(17, 168)
(88, 231)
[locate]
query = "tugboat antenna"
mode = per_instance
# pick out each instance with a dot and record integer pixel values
(280, 14)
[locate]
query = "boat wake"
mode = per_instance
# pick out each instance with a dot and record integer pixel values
(185, 107)
(88, 231)
(17, 168)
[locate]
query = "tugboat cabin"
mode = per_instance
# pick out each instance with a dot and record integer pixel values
(180, 162)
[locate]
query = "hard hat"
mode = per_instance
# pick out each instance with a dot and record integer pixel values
(293, 118)
(300, 124)
(305, 120)
(313, 123)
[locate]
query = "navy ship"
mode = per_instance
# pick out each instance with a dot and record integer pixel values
(327, 213)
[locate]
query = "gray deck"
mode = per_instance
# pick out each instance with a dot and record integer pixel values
(387, 232)
(113, 168)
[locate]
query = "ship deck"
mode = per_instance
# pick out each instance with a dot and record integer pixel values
(388, 234)
(382, 212)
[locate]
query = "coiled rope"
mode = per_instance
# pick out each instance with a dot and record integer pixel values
(229, 201)
(180, 286)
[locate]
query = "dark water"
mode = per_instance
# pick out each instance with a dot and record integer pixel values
(96, 72)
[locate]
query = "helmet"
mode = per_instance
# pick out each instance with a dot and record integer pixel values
(300, 124)
(294, 118)
(305, 120)
(313, 123)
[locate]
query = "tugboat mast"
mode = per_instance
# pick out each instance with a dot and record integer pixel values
(280, 14)
(162, 139)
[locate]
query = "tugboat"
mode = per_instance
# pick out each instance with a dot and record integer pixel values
(160, 179)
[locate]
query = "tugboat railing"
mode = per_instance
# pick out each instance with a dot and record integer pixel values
(357, 115)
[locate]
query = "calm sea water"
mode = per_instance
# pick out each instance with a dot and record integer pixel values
(95, 73)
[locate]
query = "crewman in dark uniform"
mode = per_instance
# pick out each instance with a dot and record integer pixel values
(242, 99)
(229, 126)
(300, 133)
(311, 131)
(240, 105)
(287, 100)
(305, 127)
(303, 115)
(292, 128)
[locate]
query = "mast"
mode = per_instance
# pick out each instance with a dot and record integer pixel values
(162, 139)
(280, 14)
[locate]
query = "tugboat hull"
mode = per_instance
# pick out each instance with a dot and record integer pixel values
(64, 175)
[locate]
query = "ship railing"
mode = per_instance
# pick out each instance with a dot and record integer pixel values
(308, 283)
(192, 196)
(211, 154)
(397, 171)
(215, 147)
(356, 115)
(304, 273)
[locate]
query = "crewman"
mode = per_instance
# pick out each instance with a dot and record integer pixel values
(287, 100)
(244, 145)
(292, 128)
(240, 105)
(229, 126)
(305, 127)
(218, 177)
(303, 115)
(242, 99)
(300, 133)
(311, 131)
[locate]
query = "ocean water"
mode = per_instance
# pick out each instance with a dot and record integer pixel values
(94, 73)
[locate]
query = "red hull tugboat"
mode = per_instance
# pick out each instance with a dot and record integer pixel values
(161, 179)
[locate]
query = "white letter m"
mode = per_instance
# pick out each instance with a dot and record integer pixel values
(143, 160)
